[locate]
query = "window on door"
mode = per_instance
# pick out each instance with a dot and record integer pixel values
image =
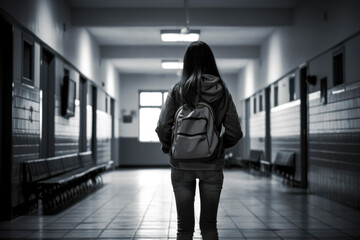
(150, 106)
(292, 94)
(338, 68)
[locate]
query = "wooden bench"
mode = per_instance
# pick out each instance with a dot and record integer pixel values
(58, 180)
(253, 162)
(284, 165)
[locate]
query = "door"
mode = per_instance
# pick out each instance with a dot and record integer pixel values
(267, 125)
(83, 115)
(6, 68)
(93, 134)
(112, 111)
(304, 126)
(47, 104)
(247, 129)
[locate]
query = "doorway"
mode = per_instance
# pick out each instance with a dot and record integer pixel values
(47, 104)
(6, 68)
(304, 126)
(247, 128)
(83, 114)
(112, 112)
(94, 124)
(268, 152)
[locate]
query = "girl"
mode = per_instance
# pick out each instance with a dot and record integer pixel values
(200, 81)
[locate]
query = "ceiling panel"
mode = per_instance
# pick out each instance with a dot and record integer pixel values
(151, 35)
(109, 29)
(153, 66)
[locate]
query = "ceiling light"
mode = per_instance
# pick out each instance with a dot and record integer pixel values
(180, 36)
(171, 64)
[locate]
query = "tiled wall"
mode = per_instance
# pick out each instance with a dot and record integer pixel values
(26, 134)
(257, 131)
(257, 125)
(334, 129)
(66, 130)
(26, 114)
(334, 145)
(285, 132)
(103, 134)
(89, 125)
(25, 119)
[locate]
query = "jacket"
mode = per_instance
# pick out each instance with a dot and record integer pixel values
(217, 95)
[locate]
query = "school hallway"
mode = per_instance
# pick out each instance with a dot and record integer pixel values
(83, 84)
(139, 204)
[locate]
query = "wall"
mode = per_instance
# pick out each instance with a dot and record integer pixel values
(257, 122)
(249, 80)
(66, 129)
(103, 127)
(6, 75)
(285, 121)
(74, 50)
(26, 122)
(318, 27)
(50, 21)
(334, 129)
(150, 153)
(310, 35)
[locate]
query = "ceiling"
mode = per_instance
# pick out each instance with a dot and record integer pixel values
(130, 30)
(180, 3)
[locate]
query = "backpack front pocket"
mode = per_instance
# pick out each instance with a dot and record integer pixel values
(190, 147)
(192, 126)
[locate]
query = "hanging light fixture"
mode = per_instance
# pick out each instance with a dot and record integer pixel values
(181, 35)
(172, 64)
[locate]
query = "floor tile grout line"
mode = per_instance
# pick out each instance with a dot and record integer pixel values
(266, 201)
(82, 222)
(171, 206)
(306, 230)
(53, 222)
(129, 201)
(147, 209)
(93, 213)
(311, 217)
(258, 217)
(323, 209)
(102, 230)
(221, 204)
(319, 206)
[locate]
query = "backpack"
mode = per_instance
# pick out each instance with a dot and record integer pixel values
(194, 135)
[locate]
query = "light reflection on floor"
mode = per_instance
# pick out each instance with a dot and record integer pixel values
(139, 204)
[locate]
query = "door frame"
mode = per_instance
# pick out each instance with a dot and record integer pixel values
(6, 93)
(83, 114)
(268, 149)
(304, 125)
(47, 105)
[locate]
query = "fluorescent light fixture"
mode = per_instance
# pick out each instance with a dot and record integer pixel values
(180, 36)
(171, 64)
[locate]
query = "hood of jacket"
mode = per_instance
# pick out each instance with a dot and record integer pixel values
(211, 88)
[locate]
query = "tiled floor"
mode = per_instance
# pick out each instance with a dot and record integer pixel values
(139, 204)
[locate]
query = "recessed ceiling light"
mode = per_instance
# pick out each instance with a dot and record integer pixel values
(180, 36)
(171, 64)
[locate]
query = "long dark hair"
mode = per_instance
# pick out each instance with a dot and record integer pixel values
(198, 60)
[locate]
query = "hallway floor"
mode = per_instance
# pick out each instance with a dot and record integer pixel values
(139, 204)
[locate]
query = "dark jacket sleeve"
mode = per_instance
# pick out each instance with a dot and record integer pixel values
(231, 123)
(166, 121)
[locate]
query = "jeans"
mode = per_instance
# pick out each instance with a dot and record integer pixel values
(184, 185)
